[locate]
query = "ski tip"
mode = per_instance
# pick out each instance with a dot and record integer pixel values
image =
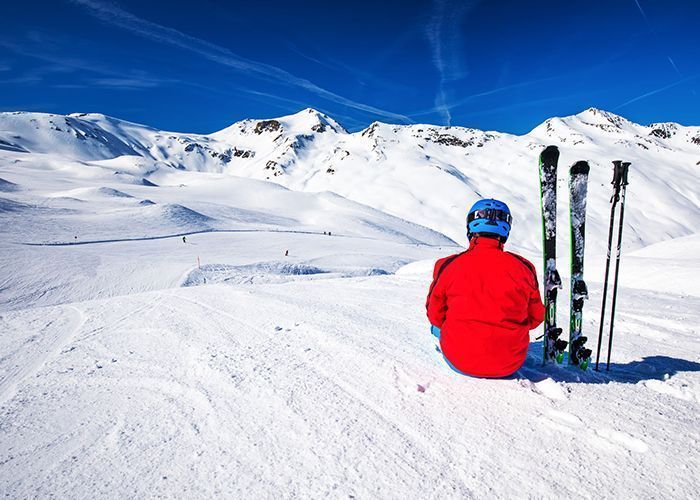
(580, 167)
(550, 152)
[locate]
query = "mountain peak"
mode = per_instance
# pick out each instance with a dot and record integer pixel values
(310, 118)
(600, 116)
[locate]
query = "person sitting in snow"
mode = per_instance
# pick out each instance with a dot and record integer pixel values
(483, 302)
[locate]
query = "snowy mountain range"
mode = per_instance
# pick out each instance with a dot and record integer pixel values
(425, 174)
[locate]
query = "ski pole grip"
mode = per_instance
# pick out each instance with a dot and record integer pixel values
(625, 170)
(617, 174)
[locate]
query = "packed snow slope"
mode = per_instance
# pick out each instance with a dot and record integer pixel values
(174, 323)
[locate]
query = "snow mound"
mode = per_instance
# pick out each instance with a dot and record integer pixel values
(113, 192)
(420, 268)
(272, 272)
(181, 215)
(8, 187)
(7, 205)
(133, 179)
(91, 193)
(263, 272)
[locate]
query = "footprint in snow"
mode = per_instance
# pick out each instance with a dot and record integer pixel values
(404, 383)
(547, 388)
(565, 418)
(606, 439)
(562, 421)
(624, 440)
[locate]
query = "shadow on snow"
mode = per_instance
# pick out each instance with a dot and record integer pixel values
(648, 368)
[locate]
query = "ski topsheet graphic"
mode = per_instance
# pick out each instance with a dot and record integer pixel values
(578, 187)
(553, 345)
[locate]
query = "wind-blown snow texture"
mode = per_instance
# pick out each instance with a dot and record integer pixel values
(134, 362)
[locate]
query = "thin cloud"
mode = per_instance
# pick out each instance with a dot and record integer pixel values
(65, 64)
(124, 83)
(466, 99)
(641, 10)
(655, 91)
(674, 66)
(361, 76)
(116, 16)
(521, 104)
(108, 77)
(444, 36)
(441, 105)
(653, 32)
(36, 75)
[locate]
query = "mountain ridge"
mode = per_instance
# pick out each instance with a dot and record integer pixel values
(425, 174)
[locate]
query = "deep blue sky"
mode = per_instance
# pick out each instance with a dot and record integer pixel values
(500, 65)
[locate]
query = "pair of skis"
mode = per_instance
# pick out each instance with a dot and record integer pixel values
(554, 346)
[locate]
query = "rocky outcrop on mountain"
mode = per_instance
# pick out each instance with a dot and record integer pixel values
(370, 131)
(470, 137)
(267, 126)
(663, 130)
(243, 153)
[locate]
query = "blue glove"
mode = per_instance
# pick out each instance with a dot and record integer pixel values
(435, 330)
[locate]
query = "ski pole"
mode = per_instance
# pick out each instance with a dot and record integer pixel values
(617, 171)
(624, 182)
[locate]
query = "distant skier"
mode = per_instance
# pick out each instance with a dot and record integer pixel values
(483, 302)
(184, 239)
(286, 253)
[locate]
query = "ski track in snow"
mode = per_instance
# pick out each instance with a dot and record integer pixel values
(282, 387)
(27, 359)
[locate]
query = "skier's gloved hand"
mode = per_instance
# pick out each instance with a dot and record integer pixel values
(435, 331)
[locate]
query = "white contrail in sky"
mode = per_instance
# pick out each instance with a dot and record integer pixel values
(444, 37)
(674, 66)
(116, 16)
(655, 91)
(646, 19)
(497, 90)
(641, 10)
(434, 34)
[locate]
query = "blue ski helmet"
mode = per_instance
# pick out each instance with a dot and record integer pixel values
(489, 217)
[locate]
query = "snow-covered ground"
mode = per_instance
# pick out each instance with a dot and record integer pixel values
(133, 363)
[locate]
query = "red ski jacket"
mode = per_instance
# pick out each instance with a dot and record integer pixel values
(485, 301)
